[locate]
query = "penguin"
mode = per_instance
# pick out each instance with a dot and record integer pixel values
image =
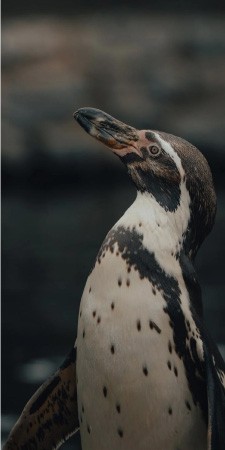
(144, 372)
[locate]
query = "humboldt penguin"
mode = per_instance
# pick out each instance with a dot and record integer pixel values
(144, 373)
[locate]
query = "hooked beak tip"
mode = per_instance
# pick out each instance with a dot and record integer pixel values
(76, 114)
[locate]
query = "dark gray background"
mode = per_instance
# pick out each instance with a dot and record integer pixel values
(152, 67)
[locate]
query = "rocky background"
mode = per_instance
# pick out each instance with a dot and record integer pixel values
(62, 191)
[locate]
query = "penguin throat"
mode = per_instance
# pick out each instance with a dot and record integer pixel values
(163, 231)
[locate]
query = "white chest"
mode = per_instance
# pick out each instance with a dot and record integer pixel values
(132, 388)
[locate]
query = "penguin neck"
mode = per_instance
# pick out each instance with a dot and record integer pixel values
(163, 231)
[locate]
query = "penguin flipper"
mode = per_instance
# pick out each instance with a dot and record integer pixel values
(51, 415)
(215, 380)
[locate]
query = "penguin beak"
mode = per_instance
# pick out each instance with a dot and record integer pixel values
(116, 135)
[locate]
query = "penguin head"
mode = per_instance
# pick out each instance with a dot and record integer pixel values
(165, 167)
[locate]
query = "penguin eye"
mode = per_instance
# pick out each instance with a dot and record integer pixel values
(154, 150)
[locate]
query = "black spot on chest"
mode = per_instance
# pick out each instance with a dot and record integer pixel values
(118, 408)
(170, 347)
(145, 370)
(154, 326)
(139, 325)
(188, 405)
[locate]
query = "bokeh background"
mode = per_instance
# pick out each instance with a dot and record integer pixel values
(158, 66)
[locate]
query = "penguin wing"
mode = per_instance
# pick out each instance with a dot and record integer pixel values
(51, 415)
(214, 367)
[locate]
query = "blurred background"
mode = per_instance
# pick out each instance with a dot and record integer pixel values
(158, 66)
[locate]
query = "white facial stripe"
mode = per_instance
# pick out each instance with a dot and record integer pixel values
(169, 149)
